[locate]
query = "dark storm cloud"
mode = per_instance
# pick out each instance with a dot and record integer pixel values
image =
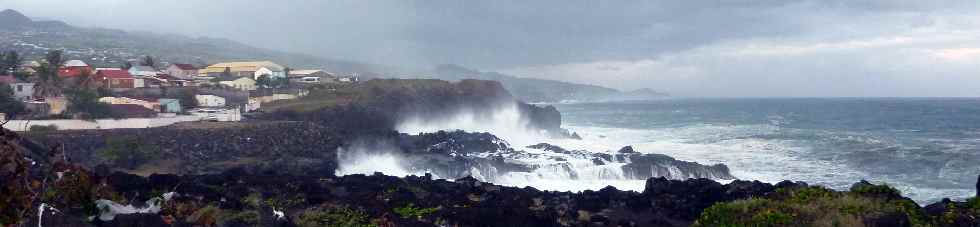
(678, 46)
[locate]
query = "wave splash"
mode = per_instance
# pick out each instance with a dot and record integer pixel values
(535, 159)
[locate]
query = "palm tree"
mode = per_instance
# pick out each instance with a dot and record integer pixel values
(84, 80)
(148, 61)
(48, 84)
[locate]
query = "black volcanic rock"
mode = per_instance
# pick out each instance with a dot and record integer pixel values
(242, 198)
(626, 150)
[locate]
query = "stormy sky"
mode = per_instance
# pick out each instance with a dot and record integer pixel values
(729, 48)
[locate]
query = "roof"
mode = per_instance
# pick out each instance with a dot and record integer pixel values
(142, 68)
(250, 66)
(114, 74)
(306, 72)
(185, 66)
(73, 71)
(75, 63)
(233, 78)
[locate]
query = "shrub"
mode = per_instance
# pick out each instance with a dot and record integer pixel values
(750, 212)
(868, 189)
(410, 211)
(816, 206)
(339, 217)
(128, 153)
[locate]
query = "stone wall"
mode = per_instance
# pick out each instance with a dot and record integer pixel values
(25, 125)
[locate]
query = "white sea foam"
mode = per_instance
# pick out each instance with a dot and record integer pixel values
(751, 151)
(751, 158)
(359, 160)
(506, 122)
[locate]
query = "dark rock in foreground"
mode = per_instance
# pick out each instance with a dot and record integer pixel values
(241, 198)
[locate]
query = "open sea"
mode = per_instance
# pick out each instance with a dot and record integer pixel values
(929, 148)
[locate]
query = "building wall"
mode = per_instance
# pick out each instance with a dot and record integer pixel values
(244, 84)
(170, 106)
(121, 83)
(267, 71)
(23, 91)
(123, 100)
(25, 125)
(56, 105)
(180, 73)
(210, 101)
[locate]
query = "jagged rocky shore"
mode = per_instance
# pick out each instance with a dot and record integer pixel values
(281, 170)
(49, 191)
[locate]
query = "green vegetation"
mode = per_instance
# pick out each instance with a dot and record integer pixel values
(128, 153)
(9, 61)
(817, 206)
(8, 104)
(86, 103)
(337, 217)
(410, 211)
(876, 190)
(77, 190)
(247, 217)
(752, 212)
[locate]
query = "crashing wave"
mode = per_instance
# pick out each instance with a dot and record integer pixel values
(458, 154)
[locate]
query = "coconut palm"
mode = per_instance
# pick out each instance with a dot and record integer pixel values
(47, 82)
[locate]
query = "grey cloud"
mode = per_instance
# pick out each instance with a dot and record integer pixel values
(511, 34)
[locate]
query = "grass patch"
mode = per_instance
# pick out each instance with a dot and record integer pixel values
(817, 206)
(339, 217)
(410, 211)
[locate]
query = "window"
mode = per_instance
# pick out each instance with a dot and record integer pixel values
(20, 88)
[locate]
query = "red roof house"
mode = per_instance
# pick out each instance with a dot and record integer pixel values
(115, 78)
(73, 71)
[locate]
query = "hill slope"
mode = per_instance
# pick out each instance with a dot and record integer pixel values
(110, 48)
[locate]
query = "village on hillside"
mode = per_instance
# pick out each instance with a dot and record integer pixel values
(55, 93)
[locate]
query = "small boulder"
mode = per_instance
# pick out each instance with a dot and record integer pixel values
(627, 150)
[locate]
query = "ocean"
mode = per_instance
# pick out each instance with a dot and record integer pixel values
(929, 148)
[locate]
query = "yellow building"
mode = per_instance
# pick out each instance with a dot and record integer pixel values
(241, 83)
(252, 69)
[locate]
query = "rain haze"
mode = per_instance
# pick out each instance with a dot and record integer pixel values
(687, 48)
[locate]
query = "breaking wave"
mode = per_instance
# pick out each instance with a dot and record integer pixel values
(586, 165)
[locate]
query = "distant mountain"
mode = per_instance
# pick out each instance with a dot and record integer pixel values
(541, 90)
(111, 48)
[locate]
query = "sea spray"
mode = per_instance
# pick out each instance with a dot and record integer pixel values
(505, 121)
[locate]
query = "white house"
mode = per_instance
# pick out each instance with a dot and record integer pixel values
(311, 76)
(75, 63)
(145, 71)
(240, 83)
(272, 73)
(210, 100)
(23, 90)
(182, 71)
(249, 69)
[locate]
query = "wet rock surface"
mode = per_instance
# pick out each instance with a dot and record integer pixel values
(239, 197)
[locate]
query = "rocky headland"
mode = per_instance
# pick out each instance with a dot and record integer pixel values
(281, 170)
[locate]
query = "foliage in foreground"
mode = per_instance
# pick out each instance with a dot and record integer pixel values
(864, 205)
(340, 217)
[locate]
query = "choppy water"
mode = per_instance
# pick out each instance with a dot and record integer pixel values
(928, 148)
